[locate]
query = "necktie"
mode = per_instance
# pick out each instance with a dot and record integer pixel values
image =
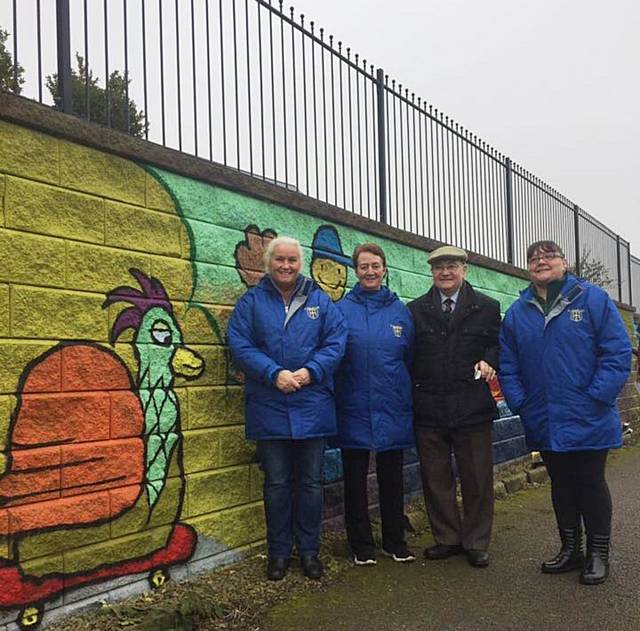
(447, 306)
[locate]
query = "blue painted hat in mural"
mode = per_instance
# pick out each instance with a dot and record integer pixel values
(326, 245)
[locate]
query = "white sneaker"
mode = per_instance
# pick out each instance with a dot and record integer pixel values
(403, 555)
(366, 560)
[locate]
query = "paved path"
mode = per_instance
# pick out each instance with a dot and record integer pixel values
(509, 595)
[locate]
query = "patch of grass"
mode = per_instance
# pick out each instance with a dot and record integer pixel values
(235, 597)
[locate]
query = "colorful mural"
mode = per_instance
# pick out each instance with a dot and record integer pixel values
(496, 393)
(89, 443)
(122, 451)
(249, 254)
(95, 457)
(329, 265)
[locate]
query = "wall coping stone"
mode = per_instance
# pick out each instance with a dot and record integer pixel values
(43, 118)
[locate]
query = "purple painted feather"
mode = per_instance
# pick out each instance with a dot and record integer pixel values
(153, 294)
(129, 318)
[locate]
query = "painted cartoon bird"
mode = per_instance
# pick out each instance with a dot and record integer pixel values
(88, 444)
(161, 356)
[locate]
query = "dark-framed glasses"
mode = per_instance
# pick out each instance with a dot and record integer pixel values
(547, 256)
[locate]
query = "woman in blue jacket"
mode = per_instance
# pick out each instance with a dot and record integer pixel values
(565, 355)
(373, 401)
(288, 338)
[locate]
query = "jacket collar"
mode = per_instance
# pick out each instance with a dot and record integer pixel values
(466, 304)
(467, 295)
(571, 289)
(381, 298)
(571, 282)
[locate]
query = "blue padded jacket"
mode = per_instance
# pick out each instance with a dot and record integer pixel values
(373, 383)
(264, 338)
(562, 373)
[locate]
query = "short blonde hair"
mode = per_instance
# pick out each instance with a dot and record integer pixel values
(274, 243)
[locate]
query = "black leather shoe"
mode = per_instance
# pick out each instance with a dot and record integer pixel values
(312, 566)
(441, 551)
(596, 568)
(277, 568)
(570, 556)
(478, 558)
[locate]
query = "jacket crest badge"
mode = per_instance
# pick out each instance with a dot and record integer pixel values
(397, 330)
(313, 312)
(576, 315)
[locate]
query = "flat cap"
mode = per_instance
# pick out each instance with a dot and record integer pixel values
(447, 252)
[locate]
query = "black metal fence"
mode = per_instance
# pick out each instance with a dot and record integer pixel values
(257, 88)
(635, 281)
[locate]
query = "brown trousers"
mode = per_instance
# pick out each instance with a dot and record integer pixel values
(474, 457)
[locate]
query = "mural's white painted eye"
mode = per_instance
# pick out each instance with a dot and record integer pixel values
(161, 333)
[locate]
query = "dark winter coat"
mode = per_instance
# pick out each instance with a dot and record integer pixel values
(562, 372)
(445, 394)
(264, 339)
(373, 383)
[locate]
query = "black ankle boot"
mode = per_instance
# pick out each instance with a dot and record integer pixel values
(596, 568)
(570, 556)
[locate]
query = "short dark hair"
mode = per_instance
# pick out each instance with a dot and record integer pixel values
(544, 246)
(371, 248)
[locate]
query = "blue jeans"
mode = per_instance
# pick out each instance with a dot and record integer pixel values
(292, 494)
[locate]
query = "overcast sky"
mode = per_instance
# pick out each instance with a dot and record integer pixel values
(554, 84)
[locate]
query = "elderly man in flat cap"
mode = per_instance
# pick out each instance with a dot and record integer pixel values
(456, 354)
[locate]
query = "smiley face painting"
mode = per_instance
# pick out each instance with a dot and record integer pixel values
(329, 265)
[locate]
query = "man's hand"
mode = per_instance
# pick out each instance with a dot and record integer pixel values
(486, 371)
(302, 376)
(286, 382)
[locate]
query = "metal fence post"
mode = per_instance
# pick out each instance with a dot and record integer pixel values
(64, 98)
(509, 203)
(629, 271)
(619, 267)
(576, 235)
(382, 161)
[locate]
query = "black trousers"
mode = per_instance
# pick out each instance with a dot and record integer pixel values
(474, 456)
(355, 463)
(579, 489)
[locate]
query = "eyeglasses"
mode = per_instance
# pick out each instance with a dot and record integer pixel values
(441, 267)
(547, 256)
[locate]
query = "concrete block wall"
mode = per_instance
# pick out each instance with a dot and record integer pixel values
(122, 453)
(118, 467)
(629, 399)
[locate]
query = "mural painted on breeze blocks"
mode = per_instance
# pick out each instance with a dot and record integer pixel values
(329, 264)
(92, 455)
(122, 450)
(60, 473)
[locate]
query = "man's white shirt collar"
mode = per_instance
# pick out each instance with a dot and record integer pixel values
(453, 298)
